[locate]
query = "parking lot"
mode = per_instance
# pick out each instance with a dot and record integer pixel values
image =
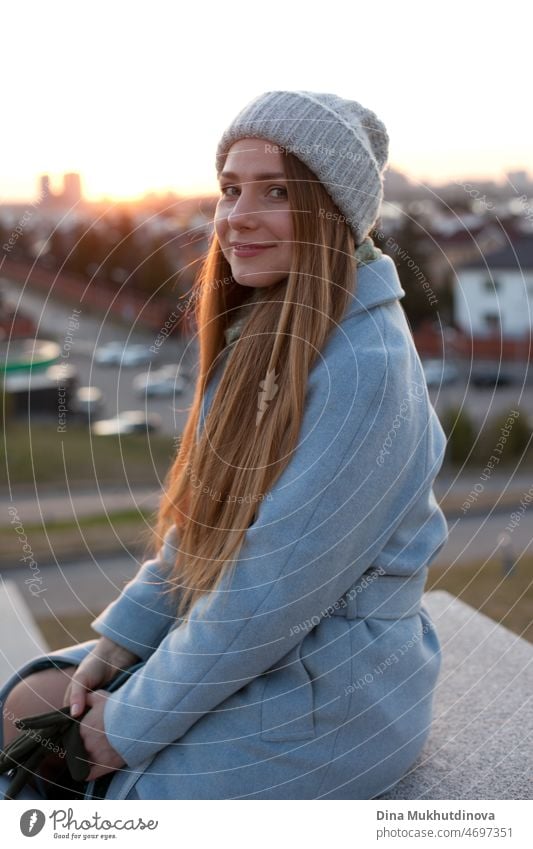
(115, 381)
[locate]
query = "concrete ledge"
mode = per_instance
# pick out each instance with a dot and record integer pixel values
(20, 638)
(481, 742)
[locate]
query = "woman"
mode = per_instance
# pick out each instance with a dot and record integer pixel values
(283, 649)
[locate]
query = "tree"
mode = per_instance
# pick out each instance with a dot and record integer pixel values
(155, 274)
(88, 251)
(410, 252)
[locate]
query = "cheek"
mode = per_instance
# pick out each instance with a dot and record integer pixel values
(285, 232)
(220, 222)
(284, 226)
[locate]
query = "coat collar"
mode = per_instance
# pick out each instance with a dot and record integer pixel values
(377, 283)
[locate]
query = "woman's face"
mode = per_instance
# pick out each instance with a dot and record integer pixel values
(253, 211)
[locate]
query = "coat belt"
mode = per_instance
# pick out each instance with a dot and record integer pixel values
(381, 596)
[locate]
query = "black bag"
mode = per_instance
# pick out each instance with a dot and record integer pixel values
(44, 732)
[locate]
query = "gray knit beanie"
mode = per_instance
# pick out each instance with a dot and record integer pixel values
(343, 143)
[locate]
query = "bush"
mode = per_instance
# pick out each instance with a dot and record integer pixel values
(461, 433)
(518, 436)
(515, 442)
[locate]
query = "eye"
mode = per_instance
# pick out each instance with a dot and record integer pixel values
(224, 189)
(280, 189)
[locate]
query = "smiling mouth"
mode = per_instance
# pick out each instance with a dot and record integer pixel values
(251, 247)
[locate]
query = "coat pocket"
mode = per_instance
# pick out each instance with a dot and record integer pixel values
(287, 709)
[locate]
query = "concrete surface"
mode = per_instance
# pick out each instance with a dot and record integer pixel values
(481, 742)
(20, 638)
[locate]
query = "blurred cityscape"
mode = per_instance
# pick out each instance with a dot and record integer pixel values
(99, 360)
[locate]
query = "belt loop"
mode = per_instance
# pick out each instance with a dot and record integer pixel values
(378, 595)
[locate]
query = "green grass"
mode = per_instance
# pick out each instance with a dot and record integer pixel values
(507, 600)
(38, 453)
(97, 520)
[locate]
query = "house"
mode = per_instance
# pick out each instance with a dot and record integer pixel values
(493, 294)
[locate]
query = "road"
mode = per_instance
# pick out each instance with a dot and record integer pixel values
(78, 346)
(43, 505)
(82, 587)
(484, 404)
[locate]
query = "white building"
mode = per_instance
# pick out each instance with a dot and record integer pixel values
(494, 294)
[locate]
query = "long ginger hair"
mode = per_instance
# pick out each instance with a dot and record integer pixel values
(217, 482)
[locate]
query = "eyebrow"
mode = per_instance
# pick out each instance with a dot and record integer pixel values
(231, 175)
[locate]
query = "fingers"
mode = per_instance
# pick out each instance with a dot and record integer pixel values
(95, 699)
(96, 696)
(92, 672)
(77, 696)
(87, 676)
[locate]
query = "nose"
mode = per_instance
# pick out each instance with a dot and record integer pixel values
(243, 213)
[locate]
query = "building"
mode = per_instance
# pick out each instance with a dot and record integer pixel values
(45, 187)
(71, 189)
(69, 197)
(493, 294)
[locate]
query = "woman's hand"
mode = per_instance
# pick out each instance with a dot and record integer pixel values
(97, 669)
(102, 755)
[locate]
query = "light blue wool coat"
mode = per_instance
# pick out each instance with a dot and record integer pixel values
(312, 675)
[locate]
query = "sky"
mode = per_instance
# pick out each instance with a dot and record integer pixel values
(135, 95)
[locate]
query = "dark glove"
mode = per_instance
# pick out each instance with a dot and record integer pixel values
(44, 731)
(41, 734)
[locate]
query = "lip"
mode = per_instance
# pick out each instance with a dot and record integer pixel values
(248, 249)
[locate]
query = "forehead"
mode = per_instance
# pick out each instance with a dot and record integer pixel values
(254, 158)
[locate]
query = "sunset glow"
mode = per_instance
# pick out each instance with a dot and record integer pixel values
(134, 98)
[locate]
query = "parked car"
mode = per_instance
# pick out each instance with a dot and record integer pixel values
(62, 373)
(88, 401)
(161, 382)
(41, 391)
(122, 354)
(439, 373)
(489, 378)
(131, 421)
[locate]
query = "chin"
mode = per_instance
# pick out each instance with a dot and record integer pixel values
(248, 285)
(257, 281)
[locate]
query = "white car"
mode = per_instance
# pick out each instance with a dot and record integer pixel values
(131, 421)
(89, 401)
(123, 354)
(160, 382)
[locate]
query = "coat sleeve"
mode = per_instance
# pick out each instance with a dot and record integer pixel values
(142, 614)
(329, 513)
